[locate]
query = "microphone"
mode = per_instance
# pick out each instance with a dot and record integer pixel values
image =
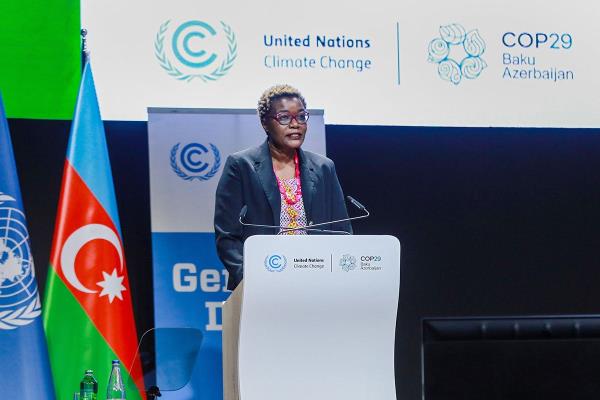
(356, 203)
(310, 226)
(243, 212)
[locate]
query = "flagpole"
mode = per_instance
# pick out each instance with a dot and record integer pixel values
(85, 54)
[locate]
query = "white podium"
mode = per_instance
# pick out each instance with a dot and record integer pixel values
(314, 319)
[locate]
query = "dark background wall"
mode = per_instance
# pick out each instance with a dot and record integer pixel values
(492, 221)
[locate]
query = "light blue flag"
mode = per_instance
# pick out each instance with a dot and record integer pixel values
(24, 368)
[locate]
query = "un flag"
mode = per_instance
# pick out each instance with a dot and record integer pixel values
(24, 367)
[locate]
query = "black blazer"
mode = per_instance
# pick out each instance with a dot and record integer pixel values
(248, 179)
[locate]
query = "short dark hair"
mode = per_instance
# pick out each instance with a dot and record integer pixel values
(273, 93)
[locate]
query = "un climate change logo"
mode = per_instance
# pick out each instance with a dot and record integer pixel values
(195, 50)
(195, 161)
(275, 263)
(19, 300)
(457, 53)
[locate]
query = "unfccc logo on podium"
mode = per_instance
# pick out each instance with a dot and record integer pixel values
(195, 49)
(275, 263)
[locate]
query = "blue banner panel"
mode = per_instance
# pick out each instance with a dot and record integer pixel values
(189, 288)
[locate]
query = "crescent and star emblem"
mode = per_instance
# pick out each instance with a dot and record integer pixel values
(112, 285)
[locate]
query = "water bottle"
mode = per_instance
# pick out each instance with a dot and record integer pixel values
(115, 389)
(88, 387)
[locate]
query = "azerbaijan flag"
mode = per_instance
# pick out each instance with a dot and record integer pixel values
(88, 314)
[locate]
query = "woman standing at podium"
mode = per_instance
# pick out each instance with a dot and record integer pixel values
(276, 183)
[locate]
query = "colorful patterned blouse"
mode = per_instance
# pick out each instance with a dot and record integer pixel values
(292, 215)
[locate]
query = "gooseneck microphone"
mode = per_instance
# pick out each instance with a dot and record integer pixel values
(285, 229)
(357, 204)
(310, 226)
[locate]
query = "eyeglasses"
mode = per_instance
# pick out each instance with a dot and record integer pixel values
(285, 118)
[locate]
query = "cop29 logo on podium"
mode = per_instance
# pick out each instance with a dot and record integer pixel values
(457, 53)
(348, 262)
(19, 299)
(195, 50)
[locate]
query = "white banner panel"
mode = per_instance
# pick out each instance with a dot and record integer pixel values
(187, 150)
(524, 63)
(183, 200)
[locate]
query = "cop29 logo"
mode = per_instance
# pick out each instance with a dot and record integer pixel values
(195, 161)
(275, 263)
(195, 50)
(457, 53)
(348, 262)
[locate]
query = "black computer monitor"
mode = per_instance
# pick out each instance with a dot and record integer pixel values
(511, 358)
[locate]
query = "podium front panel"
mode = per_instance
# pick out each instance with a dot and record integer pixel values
(318, 317)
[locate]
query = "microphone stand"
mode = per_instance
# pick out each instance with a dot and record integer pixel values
(284, 229)
(310, 226)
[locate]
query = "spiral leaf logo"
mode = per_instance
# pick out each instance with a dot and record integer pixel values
(195, 50)
(466, 62)
(348, 262)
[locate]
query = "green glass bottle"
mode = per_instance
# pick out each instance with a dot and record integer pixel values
(116, 388)
(88, 387)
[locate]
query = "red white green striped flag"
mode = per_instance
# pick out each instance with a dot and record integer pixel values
(88, 316)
